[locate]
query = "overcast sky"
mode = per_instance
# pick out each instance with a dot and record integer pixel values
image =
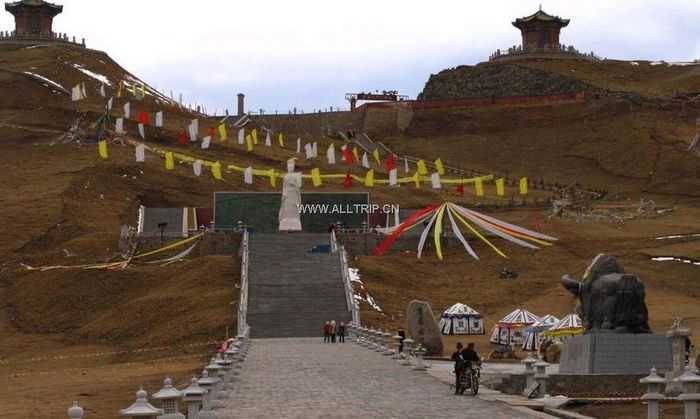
(308, 53)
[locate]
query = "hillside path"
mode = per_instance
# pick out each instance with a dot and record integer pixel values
(305, 378)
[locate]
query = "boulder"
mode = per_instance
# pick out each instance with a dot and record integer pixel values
(423, 328)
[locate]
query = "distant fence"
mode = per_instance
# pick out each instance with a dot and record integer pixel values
(12, 36)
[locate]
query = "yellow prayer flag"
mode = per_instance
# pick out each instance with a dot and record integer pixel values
(222, 133)
(102, 149)
(369, 178)
(523, 186)
(316, 177)
(356, 153)
(143, 90)
(216, 171)
(280, 140)
(273, 178)
(133, 89)
(416, 179)
(119, 88)
(249, 142)
(169, 161)
(375, 154)
(479, 186)
(500, 187)
(254, 133)
(422, 170)
(440, 167)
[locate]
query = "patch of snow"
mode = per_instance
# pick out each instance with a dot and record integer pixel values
(677, 236)
(658, 63)
(634, 63)
(685, 63)
(36, 46)
(50, 82)
(359, 297)
(96, 76)
(676, 259)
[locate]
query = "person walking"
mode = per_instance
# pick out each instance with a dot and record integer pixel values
(341, 333)
(327, 332)
(333, 331)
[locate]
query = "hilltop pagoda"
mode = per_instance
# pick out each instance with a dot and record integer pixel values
(540, 30)
(33, 18)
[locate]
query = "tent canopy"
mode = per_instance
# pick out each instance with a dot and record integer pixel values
(518, 318)
(460, 319)
(460, 310)
(543, 324)
(568, 326)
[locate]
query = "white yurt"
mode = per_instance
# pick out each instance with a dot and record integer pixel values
(509, 331)
(535, 333)
(570, 325)
(460, 319)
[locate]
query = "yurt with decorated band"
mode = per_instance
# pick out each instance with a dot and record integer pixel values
(460, 319)
(567, 327)
(535, 334)
(509, 331)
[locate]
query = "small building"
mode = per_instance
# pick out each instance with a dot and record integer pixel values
(540, 31)
(33, 18)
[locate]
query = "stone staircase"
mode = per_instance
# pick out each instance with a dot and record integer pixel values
(291, 291)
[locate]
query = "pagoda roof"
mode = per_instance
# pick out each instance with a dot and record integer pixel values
(540, 16)
(56, 8)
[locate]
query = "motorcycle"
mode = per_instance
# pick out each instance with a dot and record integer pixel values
(469, 380)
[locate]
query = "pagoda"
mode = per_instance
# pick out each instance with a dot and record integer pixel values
(540, 31)
(33, 18)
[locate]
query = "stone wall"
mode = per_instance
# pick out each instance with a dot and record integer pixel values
(594, 385)
(311, 124)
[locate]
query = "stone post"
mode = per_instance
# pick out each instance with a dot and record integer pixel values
(541, 377)
(371, 336)
(169, 398)
(397, 345)
(690, 396)
(225, 374)
(677, 334)
(141, 408)
(209, 384)
(215, 371)
(380, 341)
(408, 347)
(420, 365)
(193, 396)
(653, 395)
(529, 363)
(75, 412)
(389, 344)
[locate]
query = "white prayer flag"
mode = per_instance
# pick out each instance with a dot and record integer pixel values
(77, 93)
(241, 136)
(308, 149)
(435, 180)
(197, 167)
(206, 141)
(393, 177)
(159, 119)
(248, 176)
(268, 140)
(127, 110)
(365, 161)
(83, 90)
(299, 145)
(119, 126)
(291, 165)
(195, 124)
(314, 150)
(405, 165)
(193, 133)
(140, 153)
(330, 154)
(110, 102)
(142, 131)
(102, 91)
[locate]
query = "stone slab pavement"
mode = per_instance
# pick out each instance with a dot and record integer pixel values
(305, 378)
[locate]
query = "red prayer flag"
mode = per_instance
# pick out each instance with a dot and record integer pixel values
(390, 162)
(144, 118)
(386, 244)
(347, 155)
(183, 138)
(460, 189)
(212, 133)
(348, 181)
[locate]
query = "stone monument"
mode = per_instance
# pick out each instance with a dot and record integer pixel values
(679, 335)
(617, 338)
(423, 327)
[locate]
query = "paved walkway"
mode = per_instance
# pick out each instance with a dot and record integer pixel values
(305, 378)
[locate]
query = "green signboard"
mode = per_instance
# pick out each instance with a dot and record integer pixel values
(260, 210)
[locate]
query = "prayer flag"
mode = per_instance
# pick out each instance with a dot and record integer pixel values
(144, 118)
(405, 165)
(500, 187)
(254, 134)
(241, 136)
(479, 186)
(393, 177)
(280, 140)
(159, 119)
(330, 154)
(216, 171)
(347, 155)
(375, 154)
(197, 168)
(142, 131)
(369, 178)
(212, 133)
(347, 183)
(127, 110)
(119, 125)
(314, 150)
(182, 139)
(77, 93)
(193, 132)
(268, 140)
(119, 88)
(206, 142)
(222, 133)
(440, 167)
(102, 149)
(390, 162)
(298, 145)
(309, 151)
(110, 102)
(460, 189)
(140, 153)
(356, 153)
(422, 169)
(169, 161)
(102, 90)
(249, 142)
(365, 161)
(435, 180)
(523, 186)
(248, 174)
(316, 177)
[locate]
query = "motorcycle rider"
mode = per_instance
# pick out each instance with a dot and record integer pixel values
(460, 366)
(470, 357)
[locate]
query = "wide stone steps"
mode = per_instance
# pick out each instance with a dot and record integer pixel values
(292, 291)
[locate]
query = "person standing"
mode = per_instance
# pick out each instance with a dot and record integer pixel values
(333, 331)
(327, 332)
(341, 333)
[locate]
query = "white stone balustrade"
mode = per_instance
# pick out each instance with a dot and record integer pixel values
(75, 411)
(141, 408)
(654, 395)
(690, 396)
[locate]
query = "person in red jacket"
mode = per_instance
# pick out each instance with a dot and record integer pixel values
(327, 332)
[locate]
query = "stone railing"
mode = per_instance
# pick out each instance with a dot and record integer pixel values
(554, 50)
(352, 305)
(689, 396)
(12, 36)
(201, 399)
(243, 301)
(406, 351)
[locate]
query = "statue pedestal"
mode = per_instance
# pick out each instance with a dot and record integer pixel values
(615, 353)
